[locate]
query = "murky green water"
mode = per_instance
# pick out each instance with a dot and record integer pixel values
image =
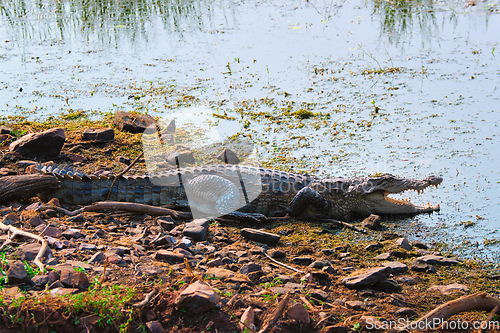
(410, 88)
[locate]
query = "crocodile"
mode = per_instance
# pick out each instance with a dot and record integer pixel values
(214, 190)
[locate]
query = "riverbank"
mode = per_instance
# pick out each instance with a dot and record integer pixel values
(104, 263)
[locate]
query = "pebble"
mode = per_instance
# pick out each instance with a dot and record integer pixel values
(302, 261)
(16, 273)
(196, 230)
(299, 313)
(367, 278)
(197, 298)
(260, 236)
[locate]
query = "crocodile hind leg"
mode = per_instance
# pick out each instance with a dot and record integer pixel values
(308, 199)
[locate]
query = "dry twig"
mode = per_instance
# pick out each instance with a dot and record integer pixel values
(146, 299)
(282, 264)
(276, 314)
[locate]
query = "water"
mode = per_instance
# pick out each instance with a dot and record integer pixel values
(410, 88)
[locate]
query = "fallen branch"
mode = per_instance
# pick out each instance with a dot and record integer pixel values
(13, 232)
(146, 299)
(276, 314)
(282, 264)
(478, 301)
(489, 318)
(26, 186)
(122, 173)
(125, 206)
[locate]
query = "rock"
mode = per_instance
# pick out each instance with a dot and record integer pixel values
(367, 278)
(40, 280)
(408, 280)
(180, 155)
(76, 158)
(355, 305)
(420, 245)
(250, 268)
(404, 243)
(35, 221)
(373, 247)
(87, 247)
(396, 267)
(248, 317)
(299, 313)
(260, 236)
(388, 286)
(420, 266)
(11, 156)
(167, 223)
(197, 298)
(277, 254)
(372, 222)
(302, 261)
(155, 327)
(406, 312)
(132, 122)
(169, 256)
(30, 251)
(11, 218)
(97, 258)
(383, 256)
(318, 294)
(16, 274)
(72, 233)
(196, 230)
(215, 263)
(77, 218)
(450, 289)
(74, 279)
(319, 264)
(438, 260)
(229, 157)
(43, 144)
(100, 134)
(52, 232)
(63, 291)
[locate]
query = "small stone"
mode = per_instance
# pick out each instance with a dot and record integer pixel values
(302, 261)
(215, 263)
(101, 134)
(404, 243)
(169, 256)
(132, 122)
(76, 158)
(54, 202)
(408, 280)
(52, 232)
(355, 305)
(72, 233)
(420, 245)
(319, 264)
(277, 254)
(79, 218)
(155, 327)
(339, 328)
(373, 247)
(420, 266)
(35, 221)
(229, 157)
(260, 236)
(450, 289)
(11, 218)
(396, 267)
(299, 313)
(197, 298)
(63, 291)
(196, 230)
(318, 294)
(438, 260)
(383, 256)
(123, 160)
(250, 268)
(167, 223)
(74, 279)
(388, 286)
(367, 278)
(87, 247)
(248, 318)
(97, 258)
(372, 222)
(40, 280)
(16, 274)
(30, 251)
(43, 144)
(406, 312)
(329, 270)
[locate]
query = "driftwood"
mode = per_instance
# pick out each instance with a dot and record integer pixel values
(125, 206)
(478, 301)
(13, 232)
(489, 318)
(276, 314)
(26, 186)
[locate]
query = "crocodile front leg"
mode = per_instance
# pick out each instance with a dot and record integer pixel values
(309, 199)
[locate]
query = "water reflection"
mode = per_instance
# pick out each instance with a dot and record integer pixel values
(401, 19)
(107, 22)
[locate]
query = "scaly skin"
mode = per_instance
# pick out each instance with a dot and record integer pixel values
(215, 190)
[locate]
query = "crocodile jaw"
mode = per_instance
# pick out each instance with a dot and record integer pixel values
(379, 202)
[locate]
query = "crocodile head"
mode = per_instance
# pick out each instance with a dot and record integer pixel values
(375, 193)
(371, 195)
